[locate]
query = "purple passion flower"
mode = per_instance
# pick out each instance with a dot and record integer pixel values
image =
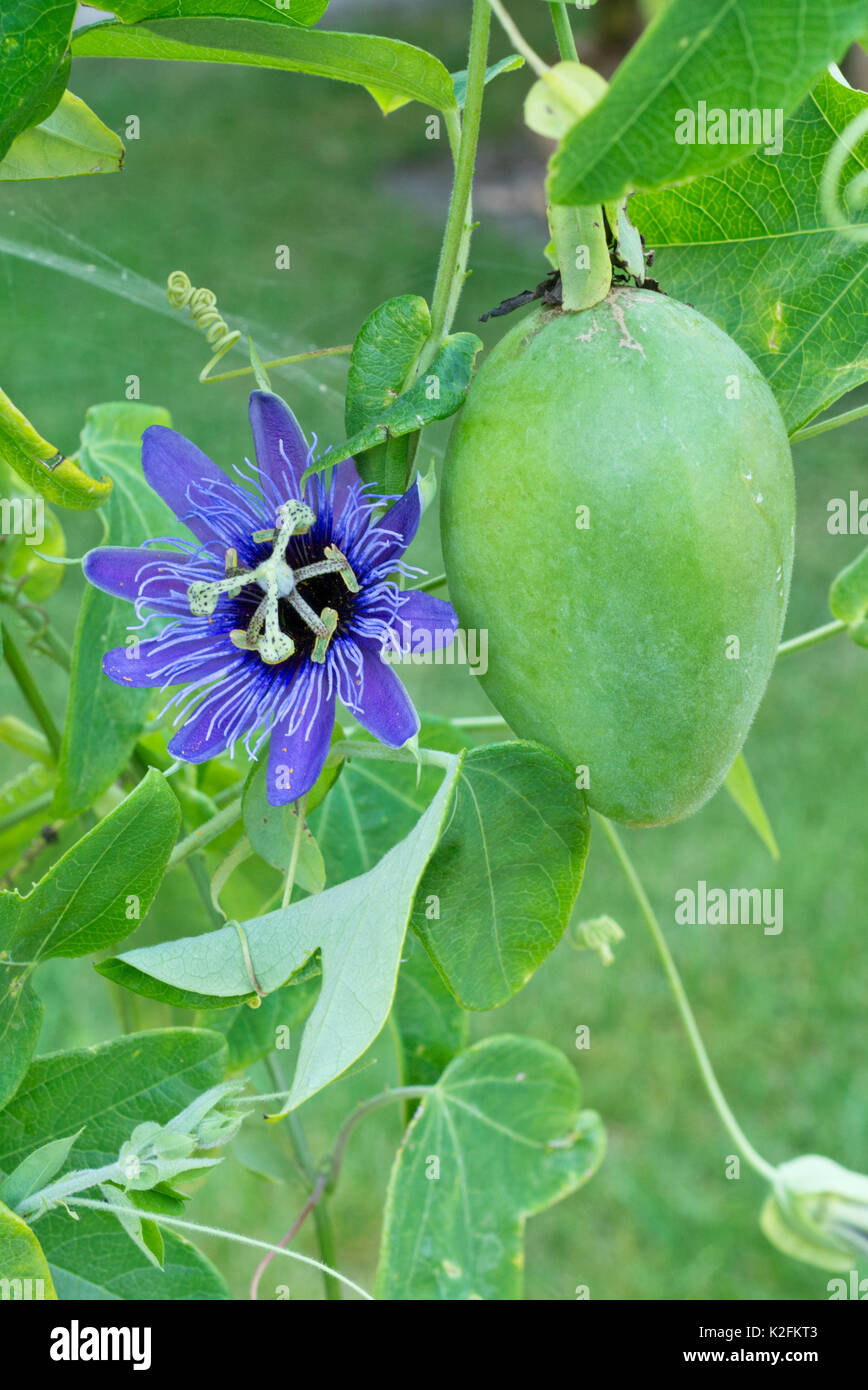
(287, 603)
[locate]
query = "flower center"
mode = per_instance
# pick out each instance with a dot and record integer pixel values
(284, 619)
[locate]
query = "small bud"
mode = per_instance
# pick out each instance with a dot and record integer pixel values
(598, 934)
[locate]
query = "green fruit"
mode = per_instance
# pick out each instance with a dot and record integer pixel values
(638, 646)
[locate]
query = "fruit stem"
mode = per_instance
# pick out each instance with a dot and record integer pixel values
(563, 32)
(833, 423)
(706, 1070)
(810, 639)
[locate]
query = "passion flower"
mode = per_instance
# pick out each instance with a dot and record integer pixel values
(286, 604)
(618, 513)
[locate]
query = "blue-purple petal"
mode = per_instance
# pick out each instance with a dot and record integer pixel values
(402, 519)
(281, 448)
(424, 622)
(158, 662)
(184, 477)
(295, 759)
(383, 706)
(131, 573)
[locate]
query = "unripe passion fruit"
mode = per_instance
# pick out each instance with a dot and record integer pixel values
(636, 638)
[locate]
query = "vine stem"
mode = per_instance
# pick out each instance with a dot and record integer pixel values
(30, 690)
(327, 1176)
(204, 834)
(564, 32)
(454, 251)
(322, 1220)
(712, 1085)
(358, 748)
(160, 1219)
(833, 423)
(810, 639)
(341, 351)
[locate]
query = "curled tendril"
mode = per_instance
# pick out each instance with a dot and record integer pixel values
(843, 202)
(206, 317)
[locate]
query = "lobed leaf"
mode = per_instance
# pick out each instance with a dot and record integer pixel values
(358, 927)
(509, 1139)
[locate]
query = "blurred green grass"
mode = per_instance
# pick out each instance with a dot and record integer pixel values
(229, 165)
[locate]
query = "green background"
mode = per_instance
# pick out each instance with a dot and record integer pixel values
(229, 165)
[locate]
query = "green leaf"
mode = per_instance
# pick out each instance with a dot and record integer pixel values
(742, 788)
(36, 1170)
(100, 890)
(301, 12)
(435, 396)
(848, 598)
(22, 1259)
(20, 1008)
(384, 353)
(510, 63)
(73, 140)
(103, 720)
(33, 43)
(42, 466)
(271, 831)
(729, 54)
(107, 1090)
(374, 805)
(358, 928)
(392, 71)
(750, 248)
(499, 889)
(92, 898)
(505, 1127)
(432, 1028)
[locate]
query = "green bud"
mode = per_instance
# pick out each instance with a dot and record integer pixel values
(817, 1211)
(217, 1130)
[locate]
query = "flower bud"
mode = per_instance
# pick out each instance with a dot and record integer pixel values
(817, 1211)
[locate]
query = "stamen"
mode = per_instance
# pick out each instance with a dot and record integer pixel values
(330, 621)
(343, 564)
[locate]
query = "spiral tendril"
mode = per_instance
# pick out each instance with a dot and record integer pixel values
(843, 202)
(206, 317)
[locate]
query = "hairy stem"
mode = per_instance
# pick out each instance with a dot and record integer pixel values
(176, 1223)
(452, 268)
(706, 1070)
(296, 849)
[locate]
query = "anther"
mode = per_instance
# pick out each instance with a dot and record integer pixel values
(329, 620)
(344, 570)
